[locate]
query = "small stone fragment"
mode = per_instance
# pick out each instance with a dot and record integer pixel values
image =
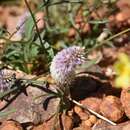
(67, 122)
(83, 115)
(77, 109)
(92, 119)
(87, 123)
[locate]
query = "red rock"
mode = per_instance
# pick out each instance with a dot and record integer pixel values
(83, 115)
(78, 128)
(122, 4)
(82, 128)
(77, 109)
(111, 108)
(120, 17)
(10, 125)
(92, 103)
(125, 100)
(39, 127)
(66, 121)
(127, 127)
(86, 123)
(123, 16)
(92, 119)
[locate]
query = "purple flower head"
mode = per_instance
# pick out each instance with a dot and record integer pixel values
(64, 63)
(7, 79)
(21, 24)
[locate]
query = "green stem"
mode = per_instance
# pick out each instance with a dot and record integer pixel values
(73, 23)
(35, 23)
(108, 39)
(7, 113)
(118, 34)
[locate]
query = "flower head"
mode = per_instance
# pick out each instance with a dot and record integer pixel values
(122, 68)
(64, 63)
(7, 79)
(21, 24)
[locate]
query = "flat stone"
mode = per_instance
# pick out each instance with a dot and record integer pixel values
(29, 109)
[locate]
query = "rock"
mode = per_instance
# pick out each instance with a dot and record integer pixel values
(93, 119)
(29, 109)
(82, 128)
(86, 123)
(127, 127)
(122, 16)
(39, 127)
(78, 128)
(122, 4)
(111, 108)
(92, 103)
(66, 122)
(49, 124)
(125, 100)
(77, 109)
(101, 125)
(10, 125)
(83, 115)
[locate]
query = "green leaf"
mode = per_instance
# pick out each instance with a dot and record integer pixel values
(29, 26)
(98, 21)
(7, 113)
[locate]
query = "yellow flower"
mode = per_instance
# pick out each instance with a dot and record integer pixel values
(122, 68)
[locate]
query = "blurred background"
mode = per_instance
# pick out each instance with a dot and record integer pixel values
(32, 31)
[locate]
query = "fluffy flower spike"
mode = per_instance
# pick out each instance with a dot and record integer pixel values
(64, 63)
(7, 79)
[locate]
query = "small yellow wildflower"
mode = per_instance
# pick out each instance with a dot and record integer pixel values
(122, 68)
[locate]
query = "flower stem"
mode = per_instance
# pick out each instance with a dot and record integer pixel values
(108, 39)
(35, 23)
